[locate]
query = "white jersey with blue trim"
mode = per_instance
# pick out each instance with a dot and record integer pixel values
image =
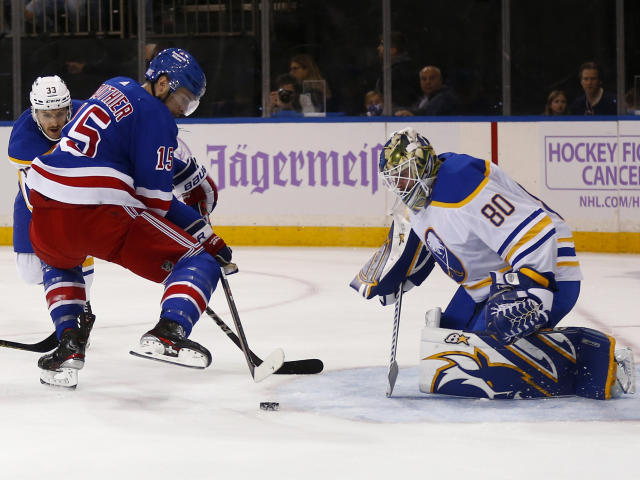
(480, 220)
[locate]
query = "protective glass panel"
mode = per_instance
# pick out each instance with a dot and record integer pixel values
(223, 36)
(323, 56)
(550, 41)
(337, 45)
(446, 57)
(632, 58)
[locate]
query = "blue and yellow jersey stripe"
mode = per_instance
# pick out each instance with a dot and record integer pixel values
(460, 179)
(16, 162)
(567, 253)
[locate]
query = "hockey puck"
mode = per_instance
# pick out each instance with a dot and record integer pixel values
(269, 406)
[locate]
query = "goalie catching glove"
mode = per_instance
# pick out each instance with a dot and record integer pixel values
(402, 259)
(195, 186)
(519, 303)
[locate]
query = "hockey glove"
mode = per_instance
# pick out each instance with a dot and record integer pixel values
(215, 246)
(204, 197)
(519, 303)
(196, 186)
(401, 259)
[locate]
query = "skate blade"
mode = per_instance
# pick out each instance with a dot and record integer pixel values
(269, 366)
(185, 358)
(65, 377)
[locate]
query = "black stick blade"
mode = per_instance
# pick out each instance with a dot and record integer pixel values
(309, 366)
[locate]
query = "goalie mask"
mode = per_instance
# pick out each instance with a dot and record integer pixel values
(408, 166)
(50, 95)
(184, 72)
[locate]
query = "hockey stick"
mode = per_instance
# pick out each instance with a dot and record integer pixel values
(273, 362)
(307, 366)
(393, 365)
(42, 346)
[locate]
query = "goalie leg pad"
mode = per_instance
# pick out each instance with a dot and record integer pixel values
(559, 362)
(603, 371)
(466, 364)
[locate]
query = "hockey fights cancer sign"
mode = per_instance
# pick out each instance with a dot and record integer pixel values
(593, 175)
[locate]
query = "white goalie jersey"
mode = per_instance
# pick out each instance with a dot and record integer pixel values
(480, 220)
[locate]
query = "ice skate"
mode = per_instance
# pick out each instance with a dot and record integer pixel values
(86, 321)
(60, 367)
(167, 342)
(625, 373)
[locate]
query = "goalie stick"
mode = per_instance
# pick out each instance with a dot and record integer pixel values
(307, 366)
(42, 346)
(393, 365)
(273, 362)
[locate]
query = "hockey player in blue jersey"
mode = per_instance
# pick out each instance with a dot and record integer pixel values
(516, 265)
(36, 132)
(106, 191)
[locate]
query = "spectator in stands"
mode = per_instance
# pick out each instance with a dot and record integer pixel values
(48, 15)
(404, 89)
(631, 102)
(303, 68)
(556, 103)
(437, 98)
(373, 103)
(284, 100)
(595, 100)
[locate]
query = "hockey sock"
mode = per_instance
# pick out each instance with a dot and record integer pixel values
(188, 289)
(65, 294)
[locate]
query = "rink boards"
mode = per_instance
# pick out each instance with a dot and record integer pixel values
(315, 183)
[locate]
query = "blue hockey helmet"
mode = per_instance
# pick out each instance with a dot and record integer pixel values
(408, 166)
(183, 71)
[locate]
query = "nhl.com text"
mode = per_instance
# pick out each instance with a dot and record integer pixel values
(610, 201)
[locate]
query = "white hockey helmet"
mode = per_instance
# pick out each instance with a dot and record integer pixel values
(49, 93)
(408, 166)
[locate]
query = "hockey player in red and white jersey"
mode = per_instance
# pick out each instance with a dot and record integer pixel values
(106, 191)
(516, 265)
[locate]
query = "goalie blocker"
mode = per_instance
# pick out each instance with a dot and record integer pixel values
(570, 361)
(402, 259)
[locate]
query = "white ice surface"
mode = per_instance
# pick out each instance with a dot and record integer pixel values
(132, 419)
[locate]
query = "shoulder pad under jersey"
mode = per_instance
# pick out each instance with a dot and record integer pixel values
(460, 176)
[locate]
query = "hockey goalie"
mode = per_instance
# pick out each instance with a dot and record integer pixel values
(514, 260)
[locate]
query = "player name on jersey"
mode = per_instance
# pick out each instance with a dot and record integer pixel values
(115, 100)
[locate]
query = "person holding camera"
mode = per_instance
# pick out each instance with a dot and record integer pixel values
(285, 99)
